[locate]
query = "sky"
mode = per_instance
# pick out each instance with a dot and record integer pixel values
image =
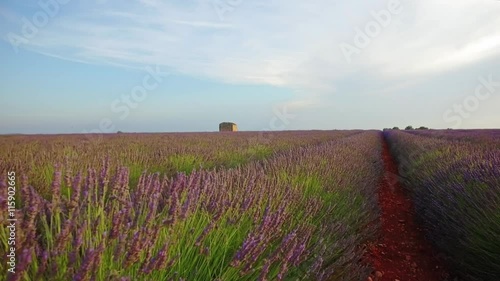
(74, 66)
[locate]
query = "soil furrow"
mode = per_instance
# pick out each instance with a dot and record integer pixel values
(401, 252)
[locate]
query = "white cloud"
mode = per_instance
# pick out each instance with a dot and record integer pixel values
(288, 43)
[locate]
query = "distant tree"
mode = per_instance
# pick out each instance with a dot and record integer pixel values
(409, 127)
(119, 132)
(422, 128)
(395, 128)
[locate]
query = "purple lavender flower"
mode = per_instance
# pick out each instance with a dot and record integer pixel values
(84, 273)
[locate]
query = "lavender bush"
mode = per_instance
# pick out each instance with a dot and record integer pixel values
(490, 136)
(455, 185)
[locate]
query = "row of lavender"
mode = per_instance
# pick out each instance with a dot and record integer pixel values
(304, 212)
(167, 153)
(456, 190)
(490, 136)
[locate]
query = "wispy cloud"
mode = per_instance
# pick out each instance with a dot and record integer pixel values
(203, 24)
(288, 43)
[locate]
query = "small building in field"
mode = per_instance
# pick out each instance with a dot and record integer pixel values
(228, 127)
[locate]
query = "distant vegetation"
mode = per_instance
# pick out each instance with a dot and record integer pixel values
(408, 128)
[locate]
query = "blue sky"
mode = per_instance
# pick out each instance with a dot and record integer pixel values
(69, 65)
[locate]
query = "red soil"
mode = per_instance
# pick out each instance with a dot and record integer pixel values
(401, 253)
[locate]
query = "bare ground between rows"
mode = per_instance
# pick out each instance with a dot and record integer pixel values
(401, 251)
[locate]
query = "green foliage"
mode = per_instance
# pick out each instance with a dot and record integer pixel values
(185, 163)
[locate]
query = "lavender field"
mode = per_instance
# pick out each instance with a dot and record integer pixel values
(36, 156)
(242, 206)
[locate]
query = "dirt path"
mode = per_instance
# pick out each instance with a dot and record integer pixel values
(401, 253)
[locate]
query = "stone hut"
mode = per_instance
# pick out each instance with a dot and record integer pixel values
(228, 127)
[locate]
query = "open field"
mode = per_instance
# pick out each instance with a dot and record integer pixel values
(296, 205)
